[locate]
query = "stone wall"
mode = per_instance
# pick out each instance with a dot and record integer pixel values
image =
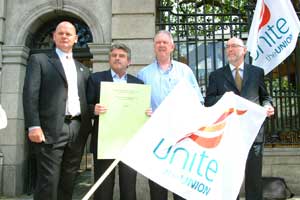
(128, 21)
(15, 28)
(278, 162)
(284, 163)
(133, 23)
(12, 138)
(1, 170)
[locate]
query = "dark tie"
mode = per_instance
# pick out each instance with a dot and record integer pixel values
(238, 79)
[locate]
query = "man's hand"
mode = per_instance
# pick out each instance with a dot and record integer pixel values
(149, 112)
(99, 109)
(270, 110)
(36, 135)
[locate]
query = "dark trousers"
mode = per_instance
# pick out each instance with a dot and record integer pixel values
(57, 164)
(253, 173)
(158, 192)
(127, 180)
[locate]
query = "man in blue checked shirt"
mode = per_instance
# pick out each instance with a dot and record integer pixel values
(163, 75)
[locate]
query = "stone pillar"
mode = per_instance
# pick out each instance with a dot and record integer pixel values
(284, 163)
(2, 19)
(0, 72)
(12, 138)
(133, 23)
(297, 52)
(100, 56)
(1, 165)
(2, 29)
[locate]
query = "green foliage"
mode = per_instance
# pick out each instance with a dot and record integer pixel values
(281, 83)
(194, 18)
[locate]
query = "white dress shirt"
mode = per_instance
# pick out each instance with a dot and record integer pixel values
(116, 77)
(241, 70)
(73, 103)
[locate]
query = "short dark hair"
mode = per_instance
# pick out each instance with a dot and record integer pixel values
(121, 46)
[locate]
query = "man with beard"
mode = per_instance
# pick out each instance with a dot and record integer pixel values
(246, 81)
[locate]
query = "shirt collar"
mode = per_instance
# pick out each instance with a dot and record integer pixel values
(62, 54)
(168, 70)
(116, 76)
(241, 67)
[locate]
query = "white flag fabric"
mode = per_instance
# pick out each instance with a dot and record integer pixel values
(273, 34)
(194, 151)
(3, 118)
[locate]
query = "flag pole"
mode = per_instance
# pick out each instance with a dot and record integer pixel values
(100, 180)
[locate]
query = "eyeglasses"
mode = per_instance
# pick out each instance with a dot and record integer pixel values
(233, 46)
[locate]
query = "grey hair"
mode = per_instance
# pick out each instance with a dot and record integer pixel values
(121, 46)
(168, 33)
(238, 38)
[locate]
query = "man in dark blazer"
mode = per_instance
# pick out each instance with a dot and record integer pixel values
(119, 60)
(246, 81)
(56, 115)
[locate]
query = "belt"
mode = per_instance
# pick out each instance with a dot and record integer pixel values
(70, 117)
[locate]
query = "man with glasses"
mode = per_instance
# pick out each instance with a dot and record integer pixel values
(246, 81)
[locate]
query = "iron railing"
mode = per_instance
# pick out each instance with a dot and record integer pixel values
(200, 29)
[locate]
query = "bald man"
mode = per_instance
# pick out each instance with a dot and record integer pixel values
(246, 81)
(56, 115)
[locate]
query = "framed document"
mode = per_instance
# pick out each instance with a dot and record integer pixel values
(126, 106)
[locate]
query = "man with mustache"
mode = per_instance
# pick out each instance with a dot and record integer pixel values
(163, 75)
(119, 60)
(246, 81)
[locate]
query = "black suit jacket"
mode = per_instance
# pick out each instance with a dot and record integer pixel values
(253, 87)
(93, 97)
(45, 94)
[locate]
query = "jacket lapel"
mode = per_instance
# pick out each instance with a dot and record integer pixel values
(130, 79)
(245, 75)
(228, 76)
(231, 81)
(108, 76)
(54, 59)
(80, 79)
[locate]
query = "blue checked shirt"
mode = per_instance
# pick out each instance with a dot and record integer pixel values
(162, 82)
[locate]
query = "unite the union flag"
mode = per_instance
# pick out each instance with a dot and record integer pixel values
(273, 34)
(197, 152)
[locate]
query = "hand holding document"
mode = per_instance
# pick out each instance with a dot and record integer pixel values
(99, 109)
(126, 106)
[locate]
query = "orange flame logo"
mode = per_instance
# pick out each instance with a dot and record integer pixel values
(265, 15)
(217, 126)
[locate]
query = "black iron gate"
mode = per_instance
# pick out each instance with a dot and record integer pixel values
(200, 28)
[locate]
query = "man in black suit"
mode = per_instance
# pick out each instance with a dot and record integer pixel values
(246, 81)
(56, 115)
(119, 60)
